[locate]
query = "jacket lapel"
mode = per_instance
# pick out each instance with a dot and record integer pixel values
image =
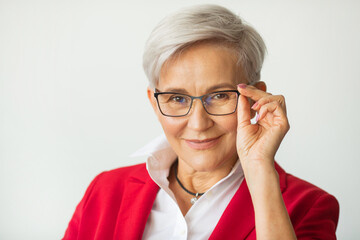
(138, 197)
(238, 219)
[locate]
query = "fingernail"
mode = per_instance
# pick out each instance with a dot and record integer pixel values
(257, 117)
(241, 85)
(255, 105)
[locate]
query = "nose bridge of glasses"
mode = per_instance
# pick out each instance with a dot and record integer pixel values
(201, 102)
(199, 97)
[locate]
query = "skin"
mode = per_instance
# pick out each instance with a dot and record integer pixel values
(205, 68)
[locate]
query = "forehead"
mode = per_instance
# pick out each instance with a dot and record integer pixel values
(200, 68)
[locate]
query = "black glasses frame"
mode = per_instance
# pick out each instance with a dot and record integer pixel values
(157, 93)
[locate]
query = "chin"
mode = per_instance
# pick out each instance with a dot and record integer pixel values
(203, 161)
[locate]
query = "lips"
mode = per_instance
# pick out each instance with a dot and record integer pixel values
(203, 144)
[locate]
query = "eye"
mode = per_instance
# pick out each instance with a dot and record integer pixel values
(178, 99)
(219, 96)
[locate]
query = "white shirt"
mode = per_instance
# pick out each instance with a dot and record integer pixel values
(166, 220)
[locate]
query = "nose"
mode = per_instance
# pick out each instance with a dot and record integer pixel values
(198, 119)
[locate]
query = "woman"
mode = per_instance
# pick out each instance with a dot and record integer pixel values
(214, 175)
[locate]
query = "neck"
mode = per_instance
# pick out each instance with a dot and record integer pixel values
(201, 181)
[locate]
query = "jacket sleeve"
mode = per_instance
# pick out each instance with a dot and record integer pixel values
(74, 224)
(320, 221)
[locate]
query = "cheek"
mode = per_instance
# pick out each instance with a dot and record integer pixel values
(172, 127)
(229, 124)
(229, 127)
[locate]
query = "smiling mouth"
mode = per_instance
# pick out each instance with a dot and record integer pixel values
(202, 144)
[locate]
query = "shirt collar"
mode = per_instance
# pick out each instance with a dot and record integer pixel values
(160, 157)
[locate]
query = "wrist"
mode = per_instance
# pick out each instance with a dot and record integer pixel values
(265, 166)
(261, 178)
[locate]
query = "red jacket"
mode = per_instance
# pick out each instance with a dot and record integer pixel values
(117, 204)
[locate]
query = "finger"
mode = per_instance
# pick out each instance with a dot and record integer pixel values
(276, 109)
(251, 92)
(268, 99)
(243, 112)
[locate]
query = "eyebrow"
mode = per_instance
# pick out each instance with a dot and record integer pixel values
(210, 89)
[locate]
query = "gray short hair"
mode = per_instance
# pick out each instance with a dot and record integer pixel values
(203, 23)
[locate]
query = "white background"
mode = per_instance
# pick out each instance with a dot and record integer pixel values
(73, 99)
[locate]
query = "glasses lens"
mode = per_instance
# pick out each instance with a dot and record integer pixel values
(220, 103)
(174, 104)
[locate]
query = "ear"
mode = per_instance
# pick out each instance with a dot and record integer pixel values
(150, 94)
(259, 85)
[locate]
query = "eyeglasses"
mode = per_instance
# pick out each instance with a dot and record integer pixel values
(219, 103)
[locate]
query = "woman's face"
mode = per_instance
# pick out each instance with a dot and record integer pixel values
(203, 142)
